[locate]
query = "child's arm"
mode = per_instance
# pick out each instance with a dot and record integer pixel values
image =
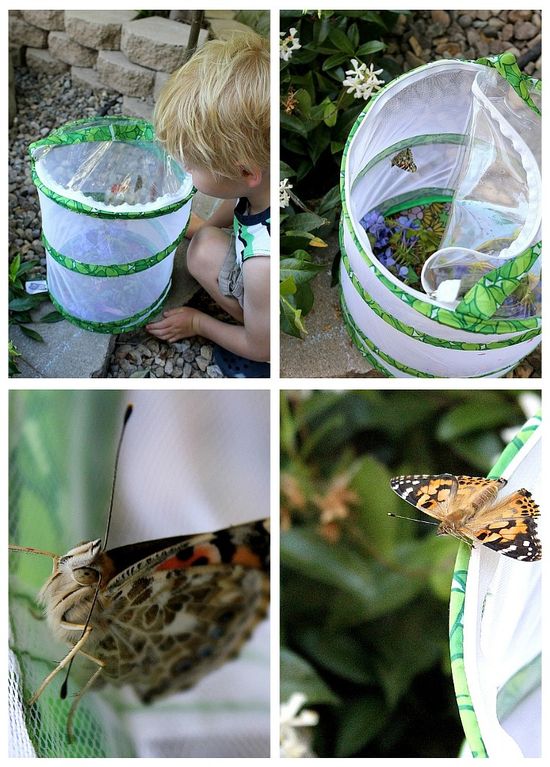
(222, 217)
(250, 340)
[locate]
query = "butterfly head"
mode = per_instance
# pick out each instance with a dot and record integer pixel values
(83, 563)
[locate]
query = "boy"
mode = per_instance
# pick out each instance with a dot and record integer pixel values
(213, 115)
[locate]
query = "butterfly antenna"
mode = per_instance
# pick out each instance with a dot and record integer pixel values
(127, 414)
(413, 519)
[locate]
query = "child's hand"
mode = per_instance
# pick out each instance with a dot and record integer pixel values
(176, 323)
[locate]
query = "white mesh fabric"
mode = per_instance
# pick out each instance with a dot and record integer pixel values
(502, 627)
(431, 101)
(92, 240)
(19, 744)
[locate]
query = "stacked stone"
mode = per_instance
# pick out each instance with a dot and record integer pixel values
(106, 50)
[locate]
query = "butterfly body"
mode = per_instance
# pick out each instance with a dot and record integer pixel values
(167, 612)
(404, 161)
(469, 508)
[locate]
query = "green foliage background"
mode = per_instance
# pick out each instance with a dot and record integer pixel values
(364, 597)
(316, 117)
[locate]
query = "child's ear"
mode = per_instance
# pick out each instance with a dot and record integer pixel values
(252, 176)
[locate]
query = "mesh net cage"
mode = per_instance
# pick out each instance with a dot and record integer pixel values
(62, 447)
(114, 208)
(495, 628)
(467, 128)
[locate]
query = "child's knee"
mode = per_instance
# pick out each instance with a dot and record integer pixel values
(203, 249)
(197, 249)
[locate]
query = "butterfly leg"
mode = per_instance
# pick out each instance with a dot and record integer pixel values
(61, 665)
(81, 694)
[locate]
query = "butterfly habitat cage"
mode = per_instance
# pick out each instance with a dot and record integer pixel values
(441, 217)
(495, 628)
(114, 208)
(62, 453)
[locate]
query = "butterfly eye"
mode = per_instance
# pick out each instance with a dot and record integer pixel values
(85, 576)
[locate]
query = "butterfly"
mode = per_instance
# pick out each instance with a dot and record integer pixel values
(156, 615)
(404, 160)
(468, 508)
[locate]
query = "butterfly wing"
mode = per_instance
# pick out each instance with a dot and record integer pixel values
(404, 160)
(510, 527)
(184, 610)
(431, 493)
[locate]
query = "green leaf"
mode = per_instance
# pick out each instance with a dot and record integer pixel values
(54, 316)
(380, 529)
(286, 171)
(297, 675)
(334, 61)
(304, 550)
(299, 269)
(287, 287)
(341, 41)
(330, 201)
(340, 653)
(31, 333)
(304, 222)
(373, 46)
(293, 124)
(291, 319)
(22, 304)
(330, 115)
(303, 100)
(360, 720)
(470, 417)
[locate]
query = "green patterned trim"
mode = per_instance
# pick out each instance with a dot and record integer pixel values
(514, 446)
(456, 606)
(108, 128)
(456, 646)
(361, 340)
(412, 332)
(119, 326)
(111, 270)
(436, 313)
(506, 66)
(434, 138)
(400, 202)
(486, 296)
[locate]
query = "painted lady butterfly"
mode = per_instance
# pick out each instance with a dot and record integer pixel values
(468, 508)
(404, 160)
(156, 615)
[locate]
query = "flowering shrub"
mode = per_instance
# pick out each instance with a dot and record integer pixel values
(328, 73)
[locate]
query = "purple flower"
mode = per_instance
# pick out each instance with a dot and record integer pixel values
(371, 219)
(403, 271)
(403, 223)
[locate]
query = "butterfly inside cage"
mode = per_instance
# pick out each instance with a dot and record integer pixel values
(469, 508)
(404, 160)
(157, 615)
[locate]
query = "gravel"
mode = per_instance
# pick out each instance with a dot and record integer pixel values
(425, 36)
(47, 101)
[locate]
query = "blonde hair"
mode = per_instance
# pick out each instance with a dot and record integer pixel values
(214, 111)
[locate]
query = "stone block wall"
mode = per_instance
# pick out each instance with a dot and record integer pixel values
(110, 50)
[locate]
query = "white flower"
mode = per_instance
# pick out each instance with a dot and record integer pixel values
(288, 44)
(295, 744)
(284, 193)
(362, 80)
